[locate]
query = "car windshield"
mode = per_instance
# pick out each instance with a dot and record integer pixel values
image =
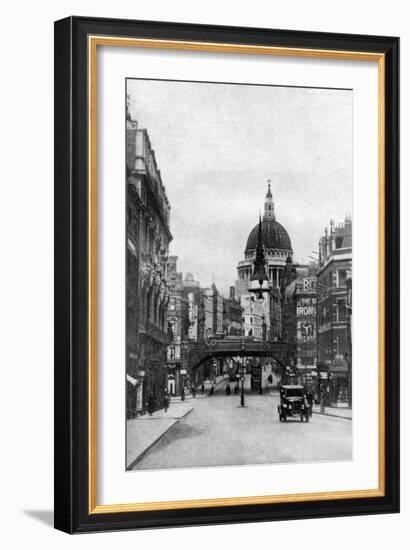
(293, 392)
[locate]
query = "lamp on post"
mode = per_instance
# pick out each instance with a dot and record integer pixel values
(259, 284)
(259, 280)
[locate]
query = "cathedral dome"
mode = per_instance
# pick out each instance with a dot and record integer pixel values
(274, 235)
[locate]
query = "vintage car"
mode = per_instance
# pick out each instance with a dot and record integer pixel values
(293, 403)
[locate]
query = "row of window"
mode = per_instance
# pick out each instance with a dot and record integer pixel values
(336, 278)
(274, 274)
(333, 311)
(257, 320)
(156, 313)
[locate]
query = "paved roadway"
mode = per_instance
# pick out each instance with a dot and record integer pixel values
(218, 432)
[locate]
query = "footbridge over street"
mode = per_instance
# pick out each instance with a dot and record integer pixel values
(198, 353)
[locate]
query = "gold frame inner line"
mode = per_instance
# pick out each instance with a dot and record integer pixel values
(93, 43)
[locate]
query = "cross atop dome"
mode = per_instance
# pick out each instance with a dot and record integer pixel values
(269, 193)
(269, 213)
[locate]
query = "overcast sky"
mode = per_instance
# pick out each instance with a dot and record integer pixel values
(217, 145)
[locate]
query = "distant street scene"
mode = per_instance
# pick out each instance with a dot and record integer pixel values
(238, 275)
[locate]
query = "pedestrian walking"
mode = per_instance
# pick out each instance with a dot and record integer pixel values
(309, 400)
(202, 388)
(322, 402)
(211, 391)
(228, 389)
(166, 401)
(151, 403)
(183, 394)
(193, 391)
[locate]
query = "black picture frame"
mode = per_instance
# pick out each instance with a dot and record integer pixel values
(71, 492)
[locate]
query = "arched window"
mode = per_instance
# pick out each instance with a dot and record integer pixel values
(149, 305)
(155, 316)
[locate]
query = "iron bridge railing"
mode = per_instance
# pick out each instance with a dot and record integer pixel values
(199, 352)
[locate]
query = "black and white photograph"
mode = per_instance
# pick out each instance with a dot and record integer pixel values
(207, 191)
(238, 274)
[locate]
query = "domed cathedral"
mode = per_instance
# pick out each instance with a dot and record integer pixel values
(278, 252)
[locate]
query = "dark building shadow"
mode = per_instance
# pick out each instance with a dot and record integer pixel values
(43, 516)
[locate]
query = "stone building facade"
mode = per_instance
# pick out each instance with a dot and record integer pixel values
(178, 323)
(217, 312)
(232, 315)
(147, 239)
(253, 317)
(334, 306)
(300, 314)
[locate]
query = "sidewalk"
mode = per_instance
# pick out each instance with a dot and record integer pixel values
(337, 412)
(144, 431)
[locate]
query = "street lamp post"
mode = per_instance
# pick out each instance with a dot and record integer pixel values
(259, 272)
(259, 285)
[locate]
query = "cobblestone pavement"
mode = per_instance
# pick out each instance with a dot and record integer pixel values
(219, 432)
